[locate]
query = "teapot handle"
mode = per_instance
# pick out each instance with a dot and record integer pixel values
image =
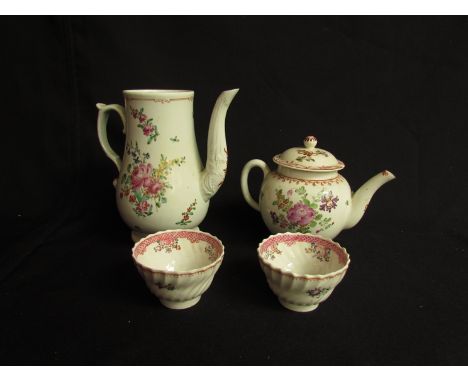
(244, 180)
(103, 116)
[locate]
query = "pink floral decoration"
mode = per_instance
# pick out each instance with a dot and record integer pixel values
(147, 130)
(154, 186)
(141, 175)
(300, 214)
(143, 206)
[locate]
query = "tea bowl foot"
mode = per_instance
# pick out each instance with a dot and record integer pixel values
(298, 308)
(180, 304)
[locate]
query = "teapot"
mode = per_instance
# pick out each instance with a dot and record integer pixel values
(162, 183)
(306, 193)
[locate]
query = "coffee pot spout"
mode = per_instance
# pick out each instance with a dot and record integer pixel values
(363, 195)
(214, 173)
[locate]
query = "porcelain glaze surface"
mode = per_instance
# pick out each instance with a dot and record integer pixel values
(162, 183)
(302, 269)
(306, 193)
(178, 266)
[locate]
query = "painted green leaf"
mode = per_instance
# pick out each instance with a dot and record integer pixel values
(306, 202)
(138, 196)
(301, 190)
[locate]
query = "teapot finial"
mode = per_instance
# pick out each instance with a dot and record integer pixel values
(310, 142)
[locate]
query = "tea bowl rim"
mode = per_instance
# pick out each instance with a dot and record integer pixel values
(304, 276)
(191, 272)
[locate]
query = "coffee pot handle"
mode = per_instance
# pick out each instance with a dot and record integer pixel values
(244, 180)
(103, 116)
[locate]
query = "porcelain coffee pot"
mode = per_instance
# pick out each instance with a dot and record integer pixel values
(162, 183)
(307, 194)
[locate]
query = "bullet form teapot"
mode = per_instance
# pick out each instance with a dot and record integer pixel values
(307, 194)
(162, 183)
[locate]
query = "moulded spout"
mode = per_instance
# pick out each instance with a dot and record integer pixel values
(216, 160)
(362, 197)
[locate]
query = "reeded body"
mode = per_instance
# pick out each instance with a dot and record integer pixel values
(178, 266)
(307, 194)
(317, 206)
(302, 270)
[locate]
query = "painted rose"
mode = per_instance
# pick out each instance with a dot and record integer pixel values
(300, 214)
(141, 175)
(132, 198)
(142, 118)
(328, 202)
(134, 113)
(142, 207)
(153, 187)
(147, 130)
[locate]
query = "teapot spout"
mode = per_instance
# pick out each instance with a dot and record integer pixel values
(214, 173)
(362, 197)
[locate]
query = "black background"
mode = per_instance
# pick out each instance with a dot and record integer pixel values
(378, 92)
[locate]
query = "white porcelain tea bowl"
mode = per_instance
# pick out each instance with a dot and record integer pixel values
(302, 269)
(178, 266)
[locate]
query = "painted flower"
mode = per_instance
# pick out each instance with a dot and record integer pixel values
(141, 175)
(290, 193)
(142, 118)
(274, 217)
(148, 129)
(131, 198)
(328, 202)
(134, 113)
(142, 207)
(316, 292)
(300, 214)
(305, 153)
(153, 186)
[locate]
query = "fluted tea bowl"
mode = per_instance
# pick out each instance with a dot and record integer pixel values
(302, 269)
(178, 266)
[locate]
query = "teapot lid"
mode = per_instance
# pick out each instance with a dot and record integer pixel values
(308, 158)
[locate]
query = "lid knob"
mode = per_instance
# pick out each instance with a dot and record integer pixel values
(310, 141)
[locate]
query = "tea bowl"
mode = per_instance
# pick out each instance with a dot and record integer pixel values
(178, 266)
(302, 269)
